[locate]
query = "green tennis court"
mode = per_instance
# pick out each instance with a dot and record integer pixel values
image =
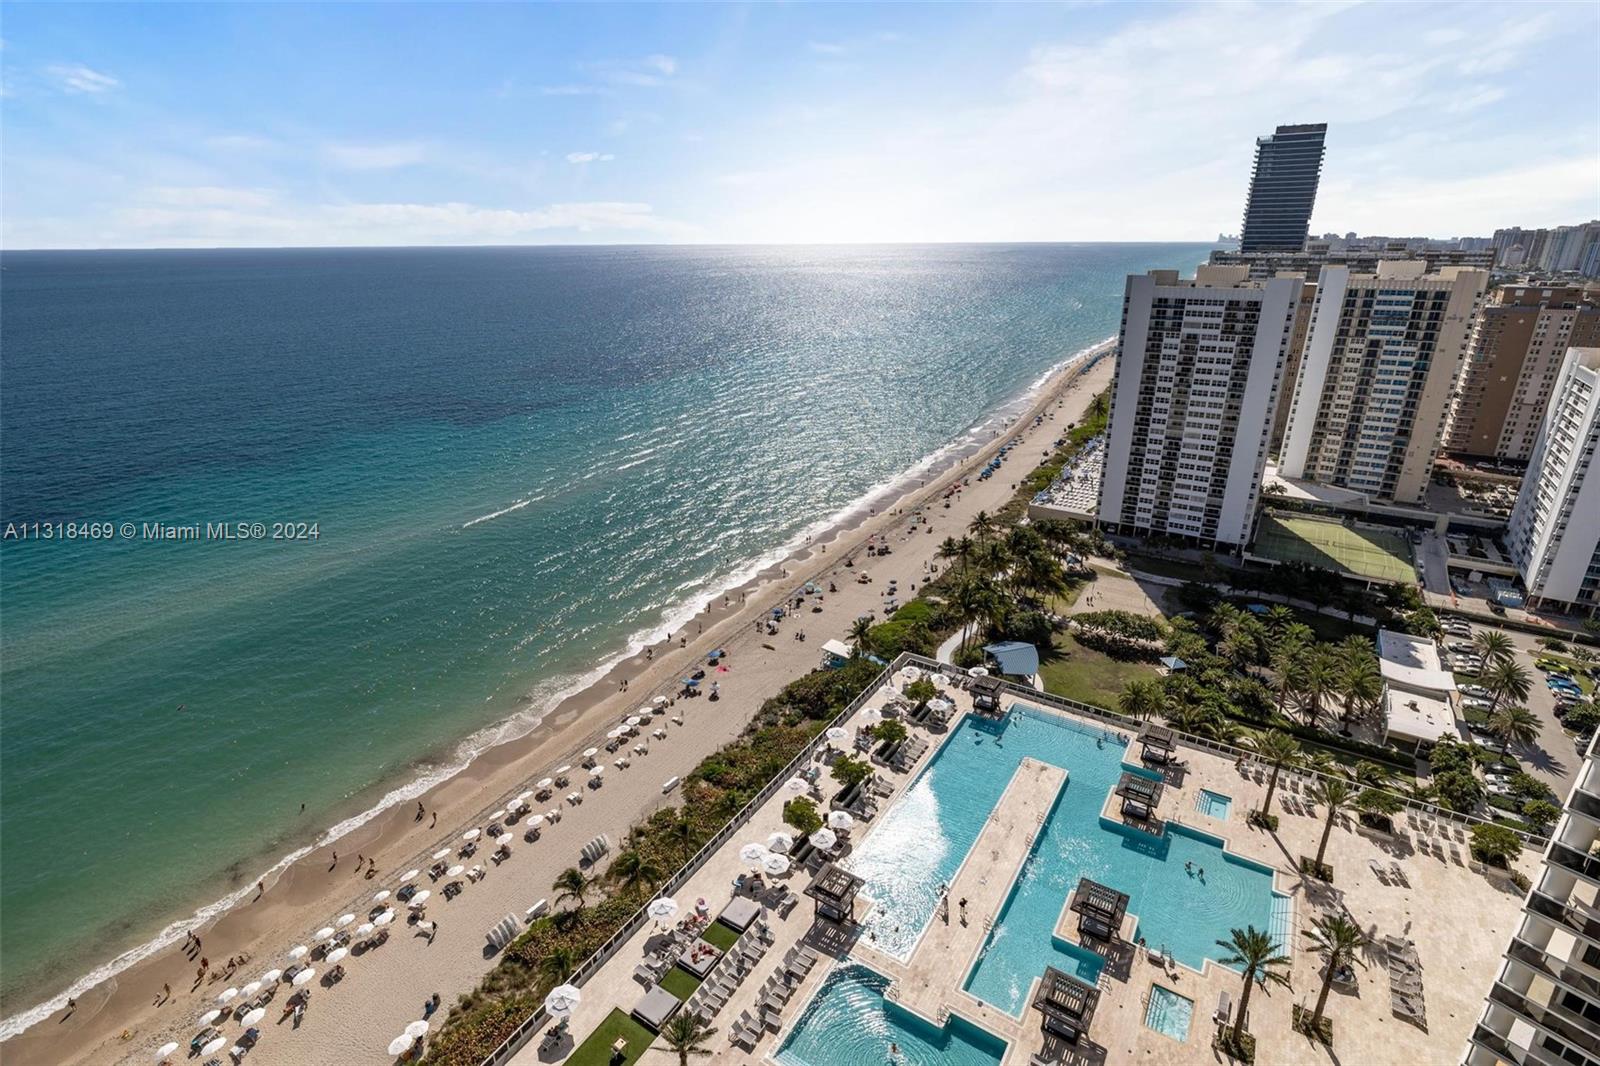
(1364, 552)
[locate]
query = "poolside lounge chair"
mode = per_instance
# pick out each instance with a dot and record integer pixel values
(1379, 872)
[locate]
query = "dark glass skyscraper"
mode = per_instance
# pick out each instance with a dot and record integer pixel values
(1282, 189)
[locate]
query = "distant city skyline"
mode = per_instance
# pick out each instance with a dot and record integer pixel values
(269, 125)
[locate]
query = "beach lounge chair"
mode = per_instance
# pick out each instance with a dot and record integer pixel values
(1378, 871)
(1398, 875)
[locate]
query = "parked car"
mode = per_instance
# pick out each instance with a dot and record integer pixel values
(1477, 703)
(1464, 647)
(1474, 690)
(1499, 769)
(1497, 787)
(1546, 663)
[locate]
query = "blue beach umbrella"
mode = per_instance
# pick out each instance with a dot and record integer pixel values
(691, 682)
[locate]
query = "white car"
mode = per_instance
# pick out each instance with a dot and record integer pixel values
(1477, 703)
(1474, 690)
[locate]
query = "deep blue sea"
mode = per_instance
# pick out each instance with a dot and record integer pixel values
(518, 461)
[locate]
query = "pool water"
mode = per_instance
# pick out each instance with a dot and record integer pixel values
(1169, 1013)
(1186, 892)
(1213, 804)
(849, 1023)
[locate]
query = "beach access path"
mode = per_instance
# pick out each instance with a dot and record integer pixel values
(126, 1018)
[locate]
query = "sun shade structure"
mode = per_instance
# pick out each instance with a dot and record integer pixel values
(834, 890)
(986, 693)
(1067, 1004)
(1140, 795)
(656, 1008)
(1100, 909)
(1157, 744)
(1014, 657)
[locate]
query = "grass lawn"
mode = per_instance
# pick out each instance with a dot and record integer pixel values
(1089, 676)
(596, 1051)
(680, 982)
(720, 936)
(1363, 552)
(1575, 670)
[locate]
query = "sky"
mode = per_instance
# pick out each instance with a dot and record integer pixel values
(171, 125)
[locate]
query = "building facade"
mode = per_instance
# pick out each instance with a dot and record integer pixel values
(1518, 345)
(1199, 365)
(1544, 1006)
(1283, 189)
(1562, 250)
(1318, 254)
(1554, 533)
(1375, 383)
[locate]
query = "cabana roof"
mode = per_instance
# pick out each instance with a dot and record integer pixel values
(1064, 998)
(1158, 736)
(1139, 789)
(1014, 657)
(834, 885)
(1100, 902)
(987, 685)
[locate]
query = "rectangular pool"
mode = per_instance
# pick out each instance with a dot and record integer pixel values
(1213, 804)
(1169, 1013)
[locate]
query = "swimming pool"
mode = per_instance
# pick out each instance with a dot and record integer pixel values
(848, 1022)
(1186, 892)
(1169, 1013)
(1213, 804)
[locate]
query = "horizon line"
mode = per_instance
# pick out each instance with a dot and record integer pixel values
(591, 244)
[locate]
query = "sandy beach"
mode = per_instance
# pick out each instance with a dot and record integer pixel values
(126, 1017)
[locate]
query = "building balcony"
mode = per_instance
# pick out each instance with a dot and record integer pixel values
(1569, 1027)
(1575, 917)
(1580, 863)
(1527, 955)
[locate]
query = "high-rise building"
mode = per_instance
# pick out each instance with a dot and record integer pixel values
(1376, 379)
(1544, 1006)
(1199, 365)
(1283, 188)
(1554, 532)
(1318, 254)
(1562, 250)
(1518, 344)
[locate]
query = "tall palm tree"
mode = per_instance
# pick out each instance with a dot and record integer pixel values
(968, 598)
(1142, 699)
(557, 964)
(1319, 679)
(860, 637)
(1334, 793)
(686, 1034)
(1288, 656)
(685, 831)
(983, 526)
(1494, 645)
(1505, 679)
(1360, 687)
(572, 884)
(1514, 725)
(1279, 619)
(633, 871)
(1277, 749)
(1263, 961)
(1337, 939)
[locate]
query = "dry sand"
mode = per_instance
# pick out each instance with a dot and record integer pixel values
(126, 1018)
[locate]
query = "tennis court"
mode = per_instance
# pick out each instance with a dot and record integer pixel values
(1360, 551)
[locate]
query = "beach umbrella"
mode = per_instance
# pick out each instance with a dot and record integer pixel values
(365, 929)
(692, 682)
(615, 734)
(442, 853)
(497, 815)
(338, 955)
(505, 845)
(412, 875)
(454, 871)
(752, 854)
(422, 897)
(836, 733)
(166, 1049)
(214, 1046)
(563, 771)
(271, 975)
(596, 771)
(780, 842)
(562, 1000)
(659, 701)
(942, 706)
(227, 995)
(797, 786)
(589, 753)
(524, 797)
(399, 1044)
(775, 864)
(978, 671)
(253, 1016)
(210, 1016)
(471, 834)
(823, 839)
(304, 977)
(544, 783)
(535, 821)
(324, 933)
(871, 716)
(840, 820)
(344, 920)
(381, 896)
(910, 673)
(383, 919)
(637, 721)
(250, 989)
(662, 908)
(417, 1028)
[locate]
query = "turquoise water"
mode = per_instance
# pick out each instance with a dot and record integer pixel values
(1169, 1013)
(849, 1023)
(521, 461)
(1213, 804)
(921, 841)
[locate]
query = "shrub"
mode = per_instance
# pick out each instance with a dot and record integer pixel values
(1494, 844)
(890, 731)
(850, 772)
(802, 814)
(1583, 717)
(921, 690)
(1526, 787)
(1541, 814)
(1458, 790)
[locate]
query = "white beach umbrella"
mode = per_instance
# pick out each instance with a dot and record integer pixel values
(780, 842)
(910, 673)
(775, 864)
(497, 815)
(562, 1000)
(383, 919)
(663, 908)
(166, 1049)
(210, 1016)
(253, 1016)
(535, 821)
(942, 706)
(562, 771)
(823, 839)
(337, 955)
(615, 734)
(304, 977)
(659, 701)
(472, 834)
(544, 783)
(454, 871)
(840, 820)
(214, 1046)
(836, 733)
(442, 853)
(647, 710)
(597, 771)
(420, 898)
(250, 989)
(298, 952)
(399, 1044)
(344, 920)
(227, 995)
(752, 854)
(271, 975)
(417, 1028)
(322, 934)
(365, 929)
(637, 721)
(524, 797)
(409, 876)
(871, 716)
(797, 786)
(589, 753)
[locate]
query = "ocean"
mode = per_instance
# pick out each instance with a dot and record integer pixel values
(517, 464)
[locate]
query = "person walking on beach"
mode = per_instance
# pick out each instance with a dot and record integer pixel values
(420, 811)
(435, 820)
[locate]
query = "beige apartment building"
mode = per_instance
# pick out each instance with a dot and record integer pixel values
(1513, 360)
(1378, 375)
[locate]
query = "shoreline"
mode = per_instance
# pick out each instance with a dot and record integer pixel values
(495, 761)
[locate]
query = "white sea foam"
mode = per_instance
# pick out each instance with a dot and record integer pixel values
(551, 693)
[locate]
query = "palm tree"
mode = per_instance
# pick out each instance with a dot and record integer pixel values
(1507, 679)
(1262, 960)
(1495, 646)
(684, 829)
(1337, 939)
(1287, 657)
(1514, 725)
(1142, 699)
(1318, 680)
(1277, 749)
(969, 598)
(982, 526)
(1361, 686)
(860, 637)
(1279, 619)
(633, 871)
(1333, 793)
(557, 964)
(686, 1034)
(572, 884)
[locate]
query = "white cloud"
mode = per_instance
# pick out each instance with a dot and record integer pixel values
(649, 72)
(590, 157)
(375, 156)
(661, 64)
(77, 78)
(240, 142)
(571, 90)
(828, 48)
(209, 196)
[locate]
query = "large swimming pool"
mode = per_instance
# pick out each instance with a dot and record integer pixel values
(921, 841)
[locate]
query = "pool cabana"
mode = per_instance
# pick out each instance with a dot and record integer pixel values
(834, 890)
(1100, 909)
(1067, 1004)
(1140, 795)
(1157, 744)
